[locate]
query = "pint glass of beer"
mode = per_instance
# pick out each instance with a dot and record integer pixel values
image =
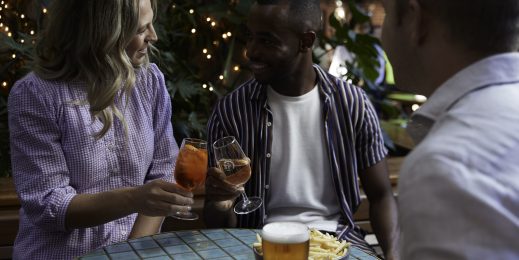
(285, 240)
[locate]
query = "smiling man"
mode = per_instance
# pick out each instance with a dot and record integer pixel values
(458, 190)
(309, 135)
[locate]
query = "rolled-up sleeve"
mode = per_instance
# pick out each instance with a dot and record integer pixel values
(165, 148)
(38, 163)
(369, 139)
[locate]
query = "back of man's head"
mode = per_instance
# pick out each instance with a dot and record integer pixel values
(303, 13)
(483, 26)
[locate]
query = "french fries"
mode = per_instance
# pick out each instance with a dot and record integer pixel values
(322, 246)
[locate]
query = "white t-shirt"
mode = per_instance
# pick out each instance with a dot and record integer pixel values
(301, 185)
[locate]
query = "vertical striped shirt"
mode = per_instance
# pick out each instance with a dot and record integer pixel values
(354, 142)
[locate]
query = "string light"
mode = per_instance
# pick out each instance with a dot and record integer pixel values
(14, 56)
(224, 36)
(22, 16)
(208, 19)
(4, 84)
(193, 30)
(22, 40)
(236, 68)
(174, 6)
(191, 11)
(204, 51)
(9, 34)
(1, 24)
(229, 34)
(208, 56)
(6, 29)
(204, 86)
(32, 32)
(44, 10)
(213, 24)
(221, 77)
(211, 89)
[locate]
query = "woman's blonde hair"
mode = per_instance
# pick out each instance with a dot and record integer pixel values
(86, 40)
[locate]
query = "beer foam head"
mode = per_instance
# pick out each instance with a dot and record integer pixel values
(286, 232)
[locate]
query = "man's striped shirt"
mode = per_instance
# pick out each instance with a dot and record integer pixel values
(353, 135)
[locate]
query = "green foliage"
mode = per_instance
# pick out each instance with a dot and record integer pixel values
(193, 81)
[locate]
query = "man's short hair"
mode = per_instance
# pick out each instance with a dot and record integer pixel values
(487, 26)
(302, 12)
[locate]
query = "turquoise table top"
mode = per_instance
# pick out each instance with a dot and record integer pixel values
(193, 244)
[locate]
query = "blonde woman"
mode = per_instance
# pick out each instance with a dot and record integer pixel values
(91, 136)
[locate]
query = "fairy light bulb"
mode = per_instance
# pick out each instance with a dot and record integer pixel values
(191, 11)
(193, 31)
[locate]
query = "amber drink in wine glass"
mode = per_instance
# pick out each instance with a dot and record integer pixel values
(236, 165)
(190, 170)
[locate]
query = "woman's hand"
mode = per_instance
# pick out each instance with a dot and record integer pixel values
(161, 198)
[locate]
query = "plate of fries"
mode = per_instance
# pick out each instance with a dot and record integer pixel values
(322, 247)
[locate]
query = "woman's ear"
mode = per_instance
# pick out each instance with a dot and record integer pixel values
(307, 41)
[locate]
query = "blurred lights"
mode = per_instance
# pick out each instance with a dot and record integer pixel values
(236, 68)
(32, 32)
(204, 86)
(44, 10)
(213, 24)
(204, 51)
(193, 30)
(4, 84)
(191, 11)
(420, 98)
(211, 89)
(209, 56)
(221, 77)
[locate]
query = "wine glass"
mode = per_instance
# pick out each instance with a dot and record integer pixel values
(232, 161)
(190, 170)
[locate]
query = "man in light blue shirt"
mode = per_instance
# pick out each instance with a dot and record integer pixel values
(458, 190)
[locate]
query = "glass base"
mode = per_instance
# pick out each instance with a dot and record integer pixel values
(251, 205)
(184, 215)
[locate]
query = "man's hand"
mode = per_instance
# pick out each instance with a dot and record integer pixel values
(161, 198)
(219, 198)
(218, 189)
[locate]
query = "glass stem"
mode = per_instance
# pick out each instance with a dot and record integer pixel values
(246, 200)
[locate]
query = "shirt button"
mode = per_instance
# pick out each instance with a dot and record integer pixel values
(269, 123)
(267, 187)
(268, 155)
(124, 233)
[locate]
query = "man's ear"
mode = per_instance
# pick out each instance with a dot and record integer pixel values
(307, 41)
